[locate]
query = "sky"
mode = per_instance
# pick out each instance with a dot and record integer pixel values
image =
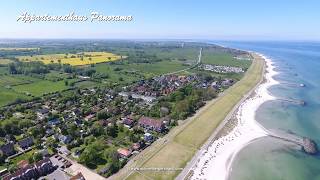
(168, 19)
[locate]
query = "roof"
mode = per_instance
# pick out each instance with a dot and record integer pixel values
(78, 176)
(7, 148)
(124, 152)
(146, 121)
(26, 142)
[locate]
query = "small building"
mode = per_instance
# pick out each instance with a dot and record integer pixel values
(124, 153)
(8, 149)
(65, 139)
(54, 122)
(78, 176)
(148, 137)
(26, 143)
(128, 121)
(151, 124)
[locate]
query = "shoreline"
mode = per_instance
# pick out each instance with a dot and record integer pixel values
(215, 160)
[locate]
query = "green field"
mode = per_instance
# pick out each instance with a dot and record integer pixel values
(216, 58)
(9, 96)
(185, 140)
(41, 87)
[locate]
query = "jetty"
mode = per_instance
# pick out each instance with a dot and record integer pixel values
(293, 101)
(292, 84)
(308, 145)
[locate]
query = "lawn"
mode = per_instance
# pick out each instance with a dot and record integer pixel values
(21, 157)
(73, 59)
(41, 87)
(184, 141)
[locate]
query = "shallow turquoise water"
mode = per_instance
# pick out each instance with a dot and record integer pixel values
(271, 159)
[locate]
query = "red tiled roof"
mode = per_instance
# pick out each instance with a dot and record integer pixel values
(124, 152)
(146, 121)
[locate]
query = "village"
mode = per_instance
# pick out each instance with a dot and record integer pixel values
(66, 129)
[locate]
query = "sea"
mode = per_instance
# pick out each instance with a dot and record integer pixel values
(298, 64)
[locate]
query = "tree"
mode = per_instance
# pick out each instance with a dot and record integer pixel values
(112, 130)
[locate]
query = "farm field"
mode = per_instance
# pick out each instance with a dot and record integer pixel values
(73, 59)
(18, 49)
(5, 61)
(154, 69)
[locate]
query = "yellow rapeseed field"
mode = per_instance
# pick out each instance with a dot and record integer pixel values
(74, 59)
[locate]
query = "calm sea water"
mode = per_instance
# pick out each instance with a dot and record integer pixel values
(269, 158)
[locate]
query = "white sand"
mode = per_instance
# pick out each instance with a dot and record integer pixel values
(214, 162)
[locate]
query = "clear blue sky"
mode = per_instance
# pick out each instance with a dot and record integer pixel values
(169, 19)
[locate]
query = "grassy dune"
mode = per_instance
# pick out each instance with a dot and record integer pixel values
(183, 141)
(73, 59)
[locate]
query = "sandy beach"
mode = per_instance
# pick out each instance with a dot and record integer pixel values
(214, 162)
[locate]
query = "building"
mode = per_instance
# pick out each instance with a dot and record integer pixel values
(151, 124)
(124, 153)
(34, 171)
(148, 137)
(26, 143)
(7, 149)
(127, 121)
(78, 176)
(65, 139)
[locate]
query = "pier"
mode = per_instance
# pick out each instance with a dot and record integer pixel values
(293, 101)
(308, 145)
(292, 84)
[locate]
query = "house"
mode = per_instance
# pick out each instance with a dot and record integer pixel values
(28, 172)
(124, 153)
(137, 146)
(128, 121)
(65, 139)
(7, 149)
(26, 143)
(78, 176)
(44, 166)
(34, 171)
(227, 82)
(148, 137)
(42, 113)
(151, 124)
(10, 138)
(49, 132)
(54, 122)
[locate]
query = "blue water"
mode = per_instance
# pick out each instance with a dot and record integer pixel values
(271, 159)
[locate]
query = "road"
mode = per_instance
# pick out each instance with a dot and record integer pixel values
(195, 65)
